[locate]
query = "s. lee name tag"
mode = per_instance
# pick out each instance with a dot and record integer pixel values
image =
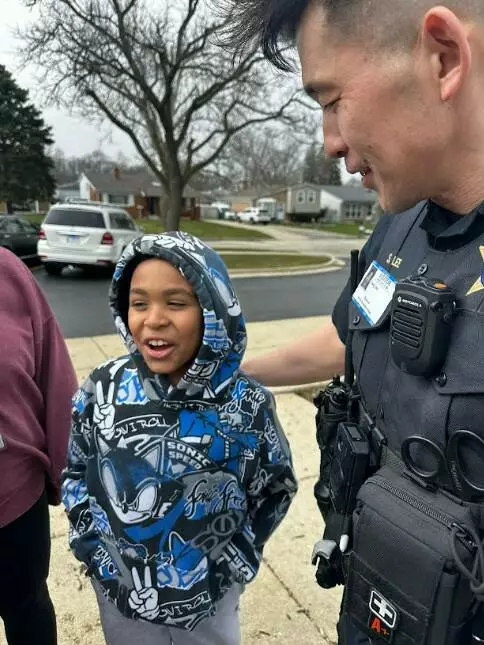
(374, 293)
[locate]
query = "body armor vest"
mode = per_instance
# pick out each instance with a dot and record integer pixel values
(402, 404)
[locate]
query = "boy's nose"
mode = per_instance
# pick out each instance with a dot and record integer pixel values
(156, 319)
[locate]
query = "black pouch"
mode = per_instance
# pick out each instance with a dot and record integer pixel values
(403, 586)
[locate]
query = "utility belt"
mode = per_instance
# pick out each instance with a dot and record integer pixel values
(414, 572)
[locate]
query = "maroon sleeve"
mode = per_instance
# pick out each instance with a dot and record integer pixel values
(58, 383)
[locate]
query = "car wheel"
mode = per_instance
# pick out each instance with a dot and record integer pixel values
(53, 268)
(252, 220)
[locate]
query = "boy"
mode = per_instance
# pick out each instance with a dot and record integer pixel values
(178, 470)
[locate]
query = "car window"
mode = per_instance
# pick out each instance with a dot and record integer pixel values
(121, 221)
(12, 226)
(75, 217)
(27, 227)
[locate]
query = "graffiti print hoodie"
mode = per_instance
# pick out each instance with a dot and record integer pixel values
(172, 491)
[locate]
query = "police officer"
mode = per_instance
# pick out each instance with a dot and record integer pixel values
(401, 87)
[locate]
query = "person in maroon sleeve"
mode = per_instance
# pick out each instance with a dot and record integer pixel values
(37, 382)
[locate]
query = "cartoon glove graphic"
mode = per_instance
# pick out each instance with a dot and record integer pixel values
(144, 598)
(103, 414)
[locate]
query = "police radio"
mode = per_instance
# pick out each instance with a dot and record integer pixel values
(423, 311)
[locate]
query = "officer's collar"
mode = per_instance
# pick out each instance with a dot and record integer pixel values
(446, 228)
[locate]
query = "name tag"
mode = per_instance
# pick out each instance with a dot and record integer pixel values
(374, 293)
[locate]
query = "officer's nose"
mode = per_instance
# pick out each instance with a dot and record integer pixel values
(334, 144)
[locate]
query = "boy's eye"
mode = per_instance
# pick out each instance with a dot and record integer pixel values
(176, 304)
(137, 304)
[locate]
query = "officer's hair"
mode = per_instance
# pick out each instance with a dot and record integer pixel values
(273, 24)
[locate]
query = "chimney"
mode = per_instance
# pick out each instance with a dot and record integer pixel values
(116, 172)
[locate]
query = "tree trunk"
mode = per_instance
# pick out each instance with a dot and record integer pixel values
(174, 203)
(9, 207)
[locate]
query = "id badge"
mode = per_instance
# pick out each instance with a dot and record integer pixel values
(374, 294)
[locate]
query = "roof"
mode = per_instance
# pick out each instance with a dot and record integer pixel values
(352, 193)
(127, 183)
(73, 185)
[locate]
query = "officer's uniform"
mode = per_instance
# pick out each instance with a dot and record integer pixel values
(431, 241)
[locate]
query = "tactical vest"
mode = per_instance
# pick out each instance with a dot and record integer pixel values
(402, 404)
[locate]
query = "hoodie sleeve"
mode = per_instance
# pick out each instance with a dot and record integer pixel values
(274, 484)
(83, 537)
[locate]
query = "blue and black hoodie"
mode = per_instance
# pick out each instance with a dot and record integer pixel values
(173, 490)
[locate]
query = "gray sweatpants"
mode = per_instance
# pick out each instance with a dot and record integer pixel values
(223, 628)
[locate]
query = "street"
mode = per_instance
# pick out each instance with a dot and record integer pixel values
(80, 301)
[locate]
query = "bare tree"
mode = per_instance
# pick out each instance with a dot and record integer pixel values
(158, 75)
(266, 156)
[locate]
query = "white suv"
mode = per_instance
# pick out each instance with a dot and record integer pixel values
(254, 216)
(86, 234)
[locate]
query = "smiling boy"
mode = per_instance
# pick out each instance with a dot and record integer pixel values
(178, 469)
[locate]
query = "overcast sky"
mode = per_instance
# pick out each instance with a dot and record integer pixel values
(75, 137)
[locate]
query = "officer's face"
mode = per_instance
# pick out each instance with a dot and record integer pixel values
(380, 112)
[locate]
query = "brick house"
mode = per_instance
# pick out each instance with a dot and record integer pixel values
(139, 193)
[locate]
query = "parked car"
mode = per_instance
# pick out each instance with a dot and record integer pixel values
(87, 234)
(230, 215)
(254, 215)
(19, 236)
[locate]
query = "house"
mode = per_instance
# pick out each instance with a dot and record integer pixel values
(139, 193)
(68, 191)
(347, 202)
(306, 202)
(250, 196)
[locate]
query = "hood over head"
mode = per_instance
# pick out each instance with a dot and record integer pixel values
(224, 336)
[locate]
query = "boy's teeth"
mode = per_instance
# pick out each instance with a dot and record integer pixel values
(157, 343)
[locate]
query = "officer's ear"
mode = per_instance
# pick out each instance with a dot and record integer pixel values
(444, 39)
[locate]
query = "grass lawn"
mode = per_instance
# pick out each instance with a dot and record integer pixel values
(210, 230)
(270, 260)
(202, 229)
(344, 228)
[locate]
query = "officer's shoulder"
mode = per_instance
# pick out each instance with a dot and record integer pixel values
(386, 220)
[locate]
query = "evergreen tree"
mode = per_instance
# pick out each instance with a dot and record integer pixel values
(26, 171)
(320, 169)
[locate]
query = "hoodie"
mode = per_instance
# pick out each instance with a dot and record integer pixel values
(173, 490)
(37, 382)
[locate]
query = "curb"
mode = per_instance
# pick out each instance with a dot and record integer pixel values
(333, 265)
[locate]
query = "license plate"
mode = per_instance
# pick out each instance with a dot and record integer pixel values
(73, 239)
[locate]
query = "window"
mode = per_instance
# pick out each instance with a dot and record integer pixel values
(121, 221)
(301, 197)
(354, 211)
(311, 196)
(28, 227)
(13, 227)
(75, 217)
(118, 199)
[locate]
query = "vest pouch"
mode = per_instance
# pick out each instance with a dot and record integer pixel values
(402, 584)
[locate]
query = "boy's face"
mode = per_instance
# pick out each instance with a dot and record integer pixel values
(164, 318)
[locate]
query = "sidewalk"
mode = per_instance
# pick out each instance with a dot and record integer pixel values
(284, 605)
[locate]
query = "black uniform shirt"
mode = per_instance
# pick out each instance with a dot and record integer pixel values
(445, 230)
